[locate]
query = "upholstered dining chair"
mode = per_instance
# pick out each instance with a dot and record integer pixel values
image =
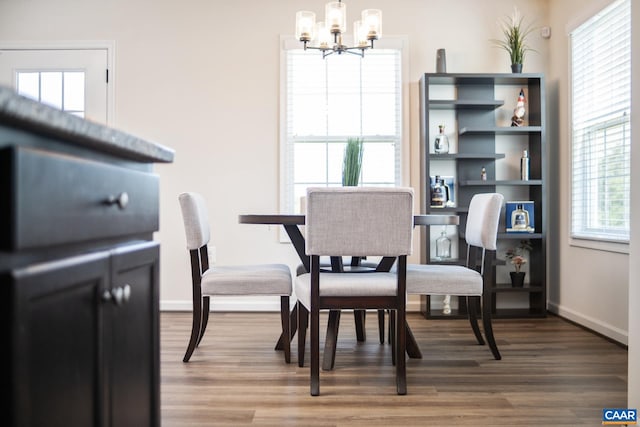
(473, 280)
(268, 279)
(355, 221)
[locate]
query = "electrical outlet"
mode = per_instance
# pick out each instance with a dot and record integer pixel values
(545, 32)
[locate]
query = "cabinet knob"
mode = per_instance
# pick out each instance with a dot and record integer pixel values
(122, 200)
(126, 293)
(118, 295)
(106, 296)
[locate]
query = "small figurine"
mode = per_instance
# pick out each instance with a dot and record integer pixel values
(483, 174)
(518, 112)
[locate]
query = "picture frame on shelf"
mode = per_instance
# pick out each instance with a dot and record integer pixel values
(442, 191)
(519, 217)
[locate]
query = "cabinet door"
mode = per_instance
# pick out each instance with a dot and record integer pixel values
(133, 330)
(55, 341)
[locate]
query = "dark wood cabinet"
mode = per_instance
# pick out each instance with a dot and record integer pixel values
(56, 340)
(84, 333)
(476, 110)
(132, 331)
(79, 270)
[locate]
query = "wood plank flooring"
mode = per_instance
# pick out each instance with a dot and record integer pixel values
(552, 373)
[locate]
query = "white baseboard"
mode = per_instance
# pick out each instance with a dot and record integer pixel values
(236, 304)
(596, 325)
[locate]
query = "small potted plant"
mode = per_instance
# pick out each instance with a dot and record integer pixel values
(514, 42)
(517, 258)
(352, 163)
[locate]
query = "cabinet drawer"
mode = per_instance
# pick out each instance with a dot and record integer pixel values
(49, 199)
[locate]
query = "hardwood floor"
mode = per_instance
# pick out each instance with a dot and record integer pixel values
(552, 373)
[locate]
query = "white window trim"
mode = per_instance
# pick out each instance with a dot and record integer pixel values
(599, 245)
(108, 45)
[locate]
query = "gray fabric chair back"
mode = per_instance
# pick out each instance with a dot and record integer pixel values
(359, 221)
(483, 219)
(196, 220)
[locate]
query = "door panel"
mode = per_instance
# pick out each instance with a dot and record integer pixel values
(92, 63)
(134, 337)
(56, 359)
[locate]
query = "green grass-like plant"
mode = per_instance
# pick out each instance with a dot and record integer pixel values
(515, 34)
(352, 162)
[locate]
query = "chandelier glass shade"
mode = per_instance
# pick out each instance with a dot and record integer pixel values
(328, 35)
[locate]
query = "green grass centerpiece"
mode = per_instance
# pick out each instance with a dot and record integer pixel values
(352, 163)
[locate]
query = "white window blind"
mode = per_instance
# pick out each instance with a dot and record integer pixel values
(329, 100)
(601, 131)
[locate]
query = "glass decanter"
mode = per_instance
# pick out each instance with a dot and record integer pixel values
(441, 144)
(443, 246)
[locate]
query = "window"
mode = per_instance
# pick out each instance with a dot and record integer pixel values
(326, 101)
(601, 131)
(63, 90)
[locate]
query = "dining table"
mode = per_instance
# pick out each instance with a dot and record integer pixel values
(292, 224)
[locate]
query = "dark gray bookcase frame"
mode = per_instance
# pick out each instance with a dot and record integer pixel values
(474, 105)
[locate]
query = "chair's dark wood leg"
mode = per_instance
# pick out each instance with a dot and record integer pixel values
(286, 327)
(360, 319)
(412, 349)
(401, 362)
(331, 340)
(315, 351)
(303, 321)
(392, 335)
(195, 324)
(487, 296)
(381, 325)
(472, 305)
(401, 327)
(205, 317)
(486, 323)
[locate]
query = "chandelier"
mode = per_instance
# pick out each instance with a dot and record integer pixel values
(327, 36)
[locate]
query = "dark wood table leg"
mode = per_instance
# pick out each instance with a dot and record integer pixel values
(412, 346)
(293, 322)
(336, 264)
(297, 239)
(360, 318)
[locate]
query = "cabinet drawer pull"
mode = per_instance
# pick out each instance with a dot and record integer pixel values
(122, 200)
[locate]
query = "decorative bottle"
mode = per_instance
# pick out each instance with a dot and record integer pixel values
(443, 246)
(483, 174)
(524, 166)
(520, 218)
(447, 192)
(438, 193)
(441, 144)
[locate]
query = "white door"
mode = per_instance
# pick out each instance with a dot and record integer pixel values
(73, 80)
